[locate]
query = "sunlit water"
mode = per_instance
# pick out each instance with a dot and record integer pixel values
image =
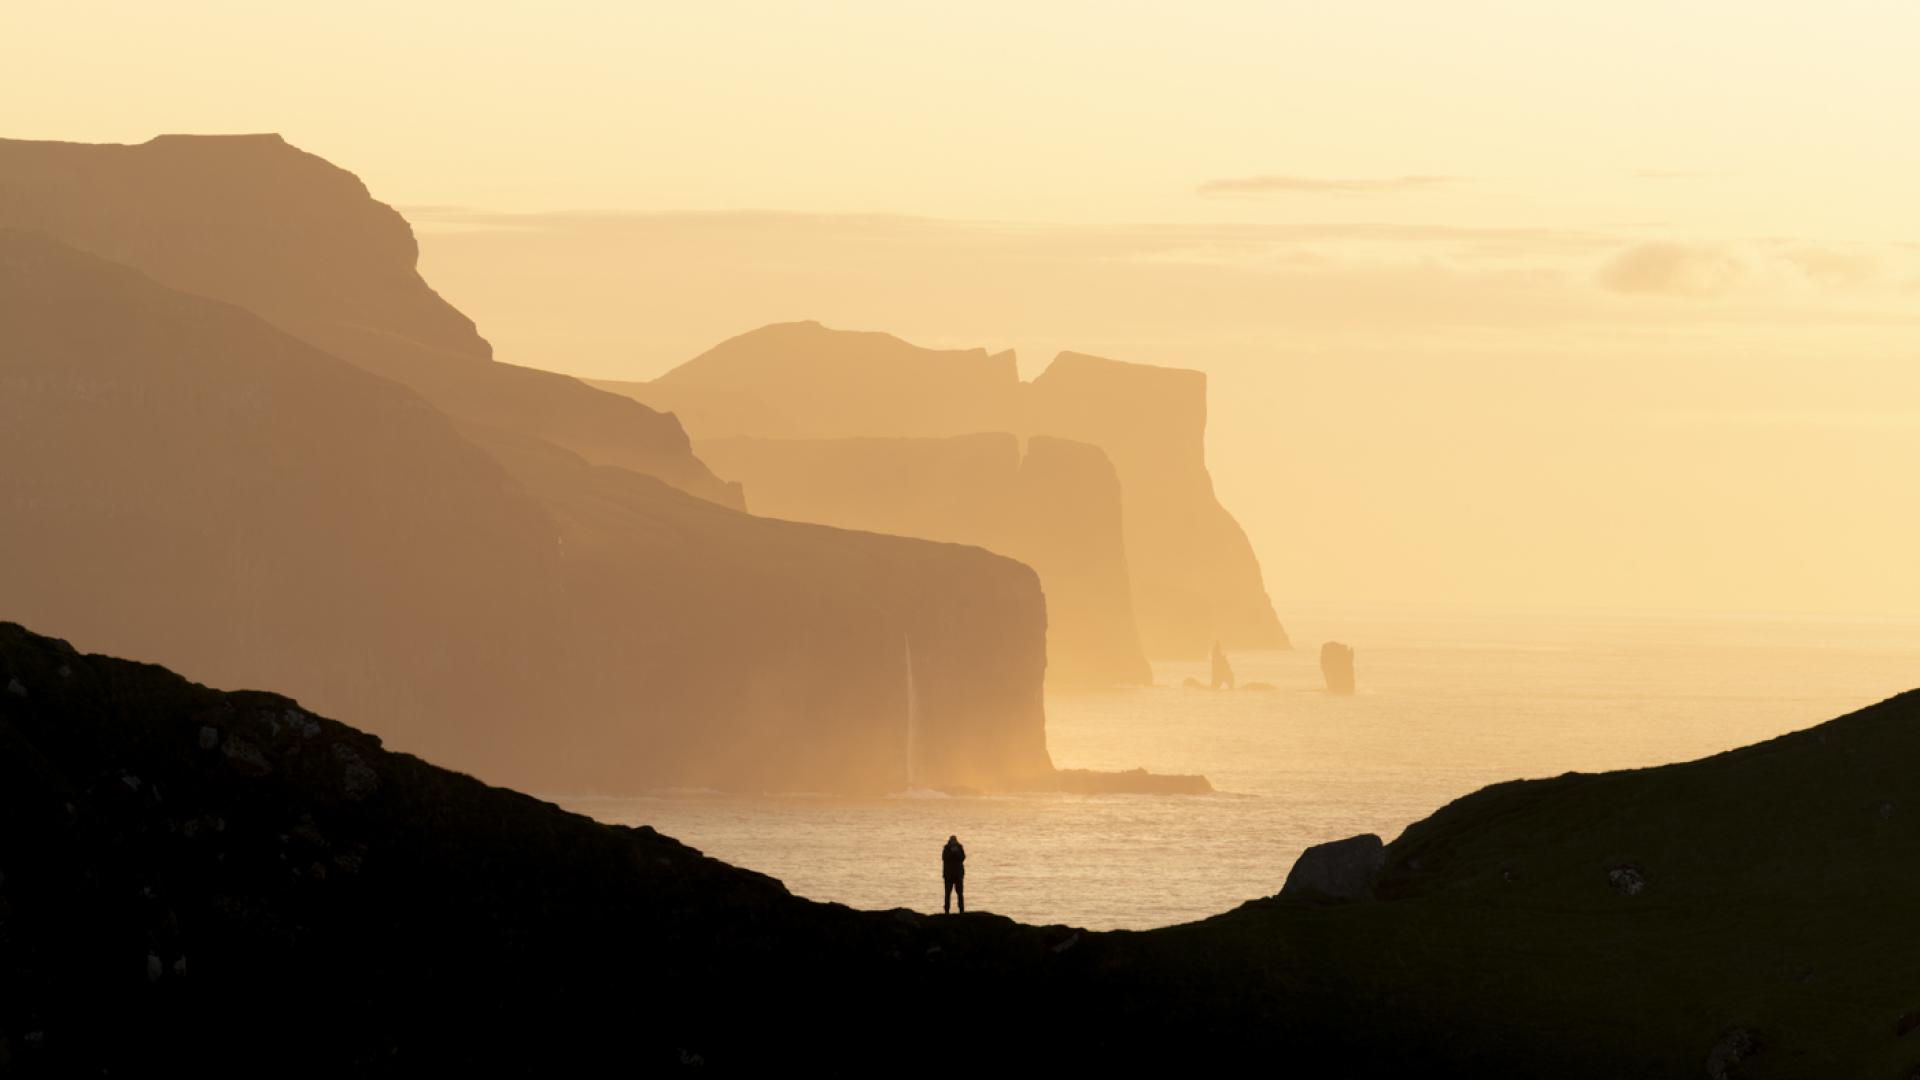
(1447, 705)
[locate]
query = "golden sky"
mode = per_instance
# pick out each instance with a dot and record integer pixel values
(1513, 304)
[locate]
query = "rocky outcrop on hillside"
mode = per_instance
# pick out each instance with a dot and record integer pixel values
(253, 221)
(1337, 870)
(1194, 578)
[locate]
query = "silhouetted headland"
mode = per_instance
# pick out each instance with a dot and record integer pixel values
(248, 441)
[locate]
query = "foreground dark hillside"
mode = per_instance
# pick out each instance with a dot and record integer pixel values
(222, 880)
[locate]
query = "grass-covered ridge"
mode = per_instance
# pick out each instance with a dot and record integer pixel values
(223, 880)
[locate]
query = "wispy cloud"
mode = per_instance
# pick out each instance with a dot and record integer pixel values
(1761, 266)
(1256, 186)
(1671, 174)
(1903, 420)
(1663, 267)
(1117, 240)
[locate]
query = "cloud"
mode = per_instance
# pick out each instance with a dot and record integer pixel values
(1670, 174)
(1774, 268)
(1839, 267)
(1901, 420)
(1674, 269)
(1255, 186)
(1234, 242)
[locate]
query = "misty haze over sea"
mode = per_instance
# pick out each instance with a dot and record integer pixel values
(1068, 539)
(1448, 703)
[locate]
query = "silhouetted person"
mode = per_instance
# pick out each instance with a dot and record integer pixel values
(1222, 671)
(953, 870)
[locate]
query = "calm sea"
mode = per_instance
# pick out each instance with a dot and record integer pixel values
(1447, 704)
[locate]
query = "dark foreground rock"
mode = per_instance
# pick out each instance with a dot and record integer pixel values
(205, 883)
(1338, 870)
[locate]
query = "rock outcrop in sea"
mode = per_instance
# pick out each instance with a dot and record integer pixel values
(1336, 667)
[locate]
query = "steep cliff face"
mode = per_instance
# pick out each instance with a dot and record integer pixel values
(188, 483)
(1070, 527)
(1056, 508)
(773, 655)
(1194, 577)
(252, 221)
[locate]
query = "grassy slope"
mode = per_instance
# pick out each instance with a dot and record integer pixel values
(421, 918)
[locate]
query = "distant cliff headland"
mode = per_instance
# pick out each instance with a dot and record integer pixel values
(210, 880)
(1110, 502)
(246, 439)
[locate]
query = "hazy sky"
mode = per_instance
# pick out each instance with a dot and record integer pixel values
(1524, 304)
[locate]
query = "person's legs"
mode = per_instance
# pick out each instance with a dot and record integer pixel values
(946, 900)
(960, 893)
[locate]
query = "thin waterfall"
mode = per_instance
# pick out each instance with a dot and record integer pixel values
(913, 709)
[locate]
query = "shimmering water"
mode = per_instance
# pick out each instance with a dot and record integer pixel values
(1448, 704)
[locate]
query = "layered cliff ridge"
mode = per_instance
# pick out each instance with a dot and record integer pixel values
(253, 221)
(204, 880)
(1193, 575)
(187, 482)
(1054, 506)
(821, 383)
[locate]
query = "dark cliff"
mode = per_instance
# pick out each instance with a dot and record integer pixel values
(772, 655)
(186, 482)
(1194, 575)
(1055, 507)
(253, 221)
(209, 881)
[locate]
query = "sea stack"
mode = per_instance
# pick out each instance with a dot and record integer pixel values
(1336, 664)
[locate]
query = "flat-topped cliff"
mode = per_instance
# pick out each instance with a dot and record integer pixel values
(253, 221)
